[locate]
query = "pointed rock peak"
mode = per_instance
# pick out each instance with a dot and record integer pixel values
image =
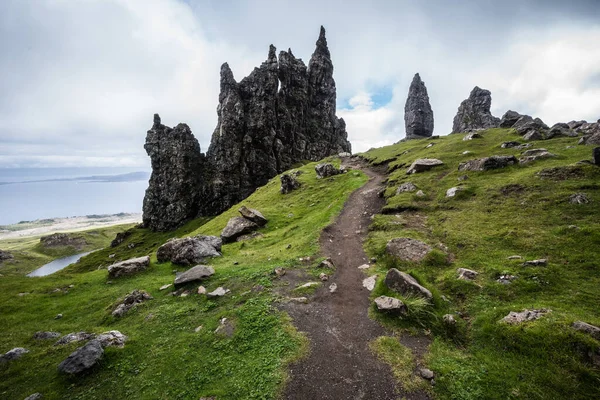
(226, 74)
(272, 58)
(477, 91)
(322, 43)
(156, 120)
(290, 52)
(417, 78)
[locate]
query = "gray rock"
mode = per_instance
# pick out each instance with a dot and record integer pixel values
(472, 135)
(13, 354)
(591, 140)
(466, 274)
(5, 255)
(406, 249)
(426, 374)
(575, 124)
(418, 115)
(422, 165)
(237, 226)
(128, 267)
(591, 128)
(509, 119)
(406, 187)
(535, 154)
(112, 339)
(189, 250)
(326, 170)
(225, 328)
(35, 396)
(487, 163)
(560, 130)
(197, 273)
(454, 190)
(405, 284)
(253, 215)
(586, 328)
(288, 183)
(474, 112)
(530, 128)
(120, 238)
(391, 305)
(449, 319)
(596, 155)
(511, 144)
(218, 292)
(327, 263)
(542, 262)
(46, 335)
(63, 239)
(82, 359)
(579, 198)
(369, 283)
(74, 337)
(515, 318)
(131, 300)
(333, 288)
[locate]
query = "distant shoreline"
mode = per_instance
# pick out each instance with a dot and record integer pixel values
(38, 227)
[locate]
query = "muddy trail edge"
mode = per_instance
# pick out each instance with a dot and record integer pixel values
(340, 364)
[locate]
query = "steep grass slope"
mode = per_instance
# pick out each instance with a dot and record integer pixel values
(518, 210)
(173, 351)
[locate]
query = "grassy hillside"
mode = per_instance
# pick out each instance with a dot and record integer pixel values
(500, 213)
(168, 355)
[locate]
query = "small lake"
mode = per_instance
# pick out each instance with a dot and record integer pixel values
(57, 265)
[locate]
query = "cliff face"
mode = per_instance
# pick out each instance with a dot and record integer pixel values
(418, 115)
(474, 112)
(280, 114)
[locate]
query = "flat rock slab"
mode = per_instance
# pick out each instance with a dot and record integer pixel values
(237, 226)
(369, 283)
(112, 339)
(390, 304)
(453, 191)
(13, 354)
(82, 359)
(218, 292)
(128, 267)
(422, 165)
(515, 318)
(253, 215)
(487, 163)
(190, 250)
(407, 249)
(197, 273)
(46, 335)
(589, 329)
(405, 284)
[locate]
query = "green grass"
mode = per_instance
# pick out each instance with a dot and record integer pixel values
(165, 358)
(510, 211)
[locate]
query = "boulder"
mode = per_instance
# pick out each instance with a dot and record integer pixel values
(596, 156)
(560, 130)
(405, 284)
(474, 112)
(253, 215)
(449, 319)
(454, 190)
(74, 337)
(530, 128)
(46, 335)
(422, 165)
(575, 124)
(591, 128)
(325, 170)
(591, 140)
(511, 144)
(579, 198)
(515, 318)
(288, 183)
(586, 328)
(407, 249)
(237, 226)
(131, 300)
(472, 135)
(534, 154)
(128, 267)
(189, 250)
(13, 354)
(418, 115)
(487, 163)
(390, 305)
(82, 359)
(533, 135)
(509, 119)
(197, 273)
(542, 262)
(406, 187)
(35, 396)
(466, 274)
(111, 339)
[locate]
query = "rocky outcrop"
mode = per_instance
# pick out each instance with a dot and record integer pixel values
(189, 250)
(282, 113)
(474, 112)
(418, 116)
(288, 183)
(509, 119)
(596, 156)
(487, 163)
(129, 267)
(326, 170)
(422, 165)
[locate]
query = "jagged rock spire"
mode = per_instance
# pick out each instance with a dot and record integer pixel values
(418, 116)
(474, 112)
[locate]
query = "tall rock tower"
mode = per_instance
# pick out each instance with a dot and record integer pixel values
(474, 113)
(418, 116)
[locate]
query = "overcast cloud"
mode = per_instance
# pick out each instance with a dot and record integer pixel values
(81, 79)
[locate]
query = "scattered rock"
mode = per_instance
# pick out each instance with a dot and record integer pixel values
(575, 124)
(112, 339)
(198, 328)
(536, 263)
(391, 305)
(369, 283)
(454, 190)
(509, 145)
(579, 198)
(323, 277)
(279, 272)
(63, 239)
(197, 273)
(466, 152)
(46, 335)
(332, 288)
(420, 193)
(249, 236)
(288, 183)
(253, 215)
(406, 249)
(201, 290)
(131, 300)
(225, 328)
(515, 258)
(589, 329)
(326, 170)
(5, 255)
(449, 319)
(218, 292)
(429, 145)
(535, 154)
(35, 396)
(530, 128)
(406, 187)
(58, 316)
(74, 337)
(506, 279)
(82, 359)
(474, 112)
(463, 178)
(128, 267)
(472, 135)
(302, 300)
(560, 130)
(327, 263)
(364, 266)
(120, 238)
(403, 283)
(165, 287)
(236, 227)
(418, 116)
(426, 373)
(308, 284)
(13, 354)
(422, 165)
(487, 163)
(189, 250)
(466, 274)
(515, 318)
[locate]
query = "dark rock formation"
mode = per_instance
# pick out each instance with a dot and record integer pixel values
(189, 250)
(405, 284)
(280, 114)
(128, 267)
(560, 130)
(173, 193)
(326, 170)
(596, 156)
(474, 112)
(288, 183)
(120, 238)
(487, 163)
(509, 119)
(82, 359)
(418, 116)
(236, 227)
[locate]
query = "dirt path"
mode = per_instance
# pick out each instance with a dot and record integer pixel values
(340, 364)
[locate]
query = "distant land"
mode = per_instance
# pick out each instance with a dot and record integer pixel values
(129, 177)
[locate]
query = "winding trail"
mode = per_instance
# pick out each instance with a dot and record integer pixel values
(340, 364)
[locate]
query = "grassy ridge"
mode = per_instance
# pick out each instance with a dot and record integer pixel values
(165, 357)
(505, 212)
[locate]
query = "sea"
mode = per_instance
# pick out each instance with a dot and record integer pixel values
(28, 194)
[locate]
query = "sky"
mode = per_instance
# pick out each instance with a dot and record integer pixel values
(80, 80)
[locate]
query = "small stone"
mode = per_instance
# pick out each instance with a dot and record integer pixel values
(201, 290)
(279, 272)
(46, 335)
(111, 255)
(308, 284)
(218, 292)
(466, 274)
(112, 339)
(579, 198)
(406, 187)
(364, 266)
(429, 145)
(35, 396)
(420, 194)
(332, 288)
(13, 354)
(506, 279)
(185, 294)
(302, 300)
(197, 273)
(225, 328)
(164, 287)
(58, 316)
(236, 263)
(289, 246)
(536, 263)
(323, 277)
(466, 152)
(426, 373)
(471, 136)
(198, 329)
(449, 319)
(369, 283)
(391, 305)
(452, 192)
(373, 260)
(327, 263)
(130, 301)
(463, 177)
(515, 258)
